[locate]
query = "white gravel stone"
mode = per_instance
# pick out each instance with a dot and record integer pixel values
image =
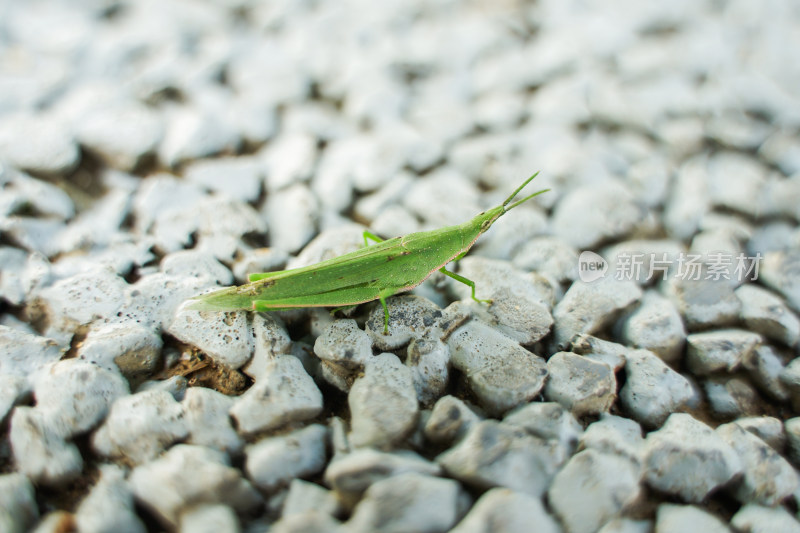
(589, 307)
(653, 390)
(424, 198)
(656, 326)
(18, 509)
(508, 511)
(765, 367)
(140, 426)
(591, 489)
(239, 178)
(583, 386)
(429, 361)
(109, 505)
(767, 477)
(122, 134)
(38, 143)
(720, 350)
(12, 265)
(767, 428)
(345, 345)
(686, 458)
(549, 421)
(779, 272)
(191, 132)
(12, 390)
(40, 451)
(429, 505)
(43, 198)
(600, 350)
(790, 378)
(188, 475)
(206, 413)
(196, 264)
(162, 196)
(226, 337)
(383, 403)
(731, 397)
(292, 217)
(209, 519)
(736, 182)
(410, 317)
(449, 421)
(494, 454)
(354, 472)
(755, 518)
(765, 313)
(75, 395)
(671, 518)
(588, 216)
(521, 302)
(626, 525)
(312, 522)
(129, 347)
(499, 371)
(270, 339)
(306, 497)
(25, 353)
(549, 256)
(704, 303)
(615, 435)
(274, 461)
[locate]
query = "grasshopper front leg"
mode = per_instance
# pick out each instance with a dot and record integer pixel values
(465, 281)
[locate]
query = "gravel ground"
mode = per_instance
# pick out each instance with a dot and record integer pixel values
(637, 370)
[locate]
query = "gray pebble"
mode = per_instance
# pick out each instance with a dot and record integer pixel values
(54, 522)
(75, 395)
(40, 235)
(274, 461)
(591, 489)
(283, 393)
(508, 511)
(188, 475)
(765, 313)
(589, 307)
(373, 205)
(140, 426)
(23, 192)
(270, 339)
(12, 390)
(193, 132)
(656, 326)
(449, 421)
(175, 385)
(790, 378)
(549, 256)
(258, 260)
(40, 451)
(408, 502)
(765, 368)
(424, 198)
(206, 413)
(161, 197)
(614, 435)
(720, 350)
(704, 303)
(511, 233)
(767, 477)
(731, 397)
(122, 134)
(25, 353)
(499, 371)
(792, 427)
(600, 350)
(521, 302)
(206, 518)
(311, 522)
(672, 518)
(549, 421)
(38, 143)
(18, 509)
(429, 361)
(653, 390)
(608, 211)
(239, 178)
(494, 454)
(289, 159)
(292, 217)
(127, 346)
(109, 505)
(755, 518)
(383, 403)
(688, 459)
(12, 264)
(196, 264)
(767, 428)
(736, 182)
(305, 497)
(410, 317)
(583, 386)
(345, 345)
(627, 525)
(226, 337)
(353, 473)
(779, 272)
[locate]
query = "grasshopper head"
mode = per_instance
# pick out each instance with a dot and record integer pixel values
(488, 217)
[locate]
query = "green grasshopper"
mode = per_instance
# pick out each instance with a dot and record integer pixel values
(371, 273)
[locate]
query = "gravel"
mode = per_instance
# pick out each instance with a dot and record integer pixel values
(152, 152)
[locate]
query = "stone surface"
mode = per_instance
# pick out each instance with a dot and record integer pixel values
(188, 475)
(429, 361)
(283, 393)
(591, 489)
(614, 435)
(129, 347)
(306, 497)
(505, 510)
(759, 519)
(383, 403)
(206, 414)
(354, 472)
(549, 421)
(449, 421)
(720, 350)
(656, 326)
(240, 178)
(209, 518)
(499, 371)
(703, 303)
(274, 461)
(224, 336)
(671, 518)
(18, 509)
(583, 386)
(652, 390)
(764, 312)
(109, 506)
(688, 459)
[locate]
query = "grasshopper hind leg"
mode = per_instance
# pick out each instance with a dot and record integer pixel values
(465, 281)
